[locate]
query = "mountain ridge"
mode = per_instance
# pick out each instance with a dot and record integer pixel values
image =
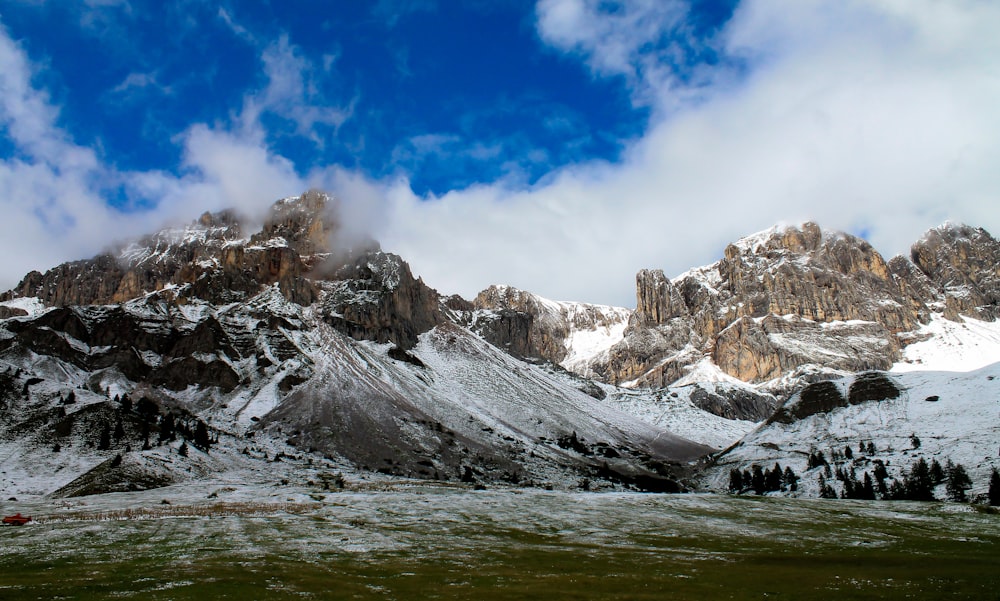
(301, 345)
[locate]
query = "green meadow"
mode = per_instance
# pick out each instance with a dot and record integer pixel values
(443, 543)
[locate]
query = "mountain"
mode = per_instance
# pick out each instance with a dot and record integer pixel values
(782, 307)
(213, 349)
(291, 348)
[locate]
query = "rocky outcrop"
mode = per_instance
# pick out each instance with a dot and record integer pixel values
(377, 298)
(794, 296)
(657, 299)
(522, 323)
(824, 397)
(8, 312)
(964, 263)
(211, 259)
(732, 402)
(529, 326)
(145, 343)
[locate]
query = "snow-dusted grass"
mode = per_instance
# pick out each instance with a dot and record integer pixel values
(413, 542)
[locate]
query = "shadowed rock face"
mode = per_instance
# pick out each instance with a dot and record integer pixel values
(823, 397)
(377, 298)
(734, 403)
(963, 262)
(113, 337)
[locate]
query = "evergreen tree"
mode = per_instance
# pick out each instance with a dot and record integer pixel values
(937, 474)
(848, 453)
(871, 448)
(825, 490)
(880, 472)
(914, 440)
(126, 404)
(735, 481)
(861, 447)
(105, 441)
(772, 478)
(790, 480)
(994, 492)
(850, 490)
(56, 448)
(147, 409)
(201, 439)
(897, 491)
(119, 430)
(918, 484)
(167, 427)
(183, 449)
(958, 483)
(868, 488)
(757, 480)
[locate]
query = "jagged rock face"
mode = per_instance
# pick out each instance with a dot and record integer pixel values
(522, 324)
(797, 295)
(965, 263)
(377, 298)
(729, 311)
(657, 299)
(733, 403)
(211, 259)
(149, 344)
(573, 335)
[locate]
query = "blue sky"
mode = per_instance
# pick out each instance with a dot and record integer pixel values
(557, 145)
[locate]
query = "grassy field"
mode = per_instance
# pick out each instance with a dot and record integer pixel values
(428, 543)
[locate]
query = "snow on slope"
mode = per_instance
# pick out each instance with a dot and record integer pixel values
(521, 399)
(586, 343)
(952, 346)
(672, 410)
(956, 416)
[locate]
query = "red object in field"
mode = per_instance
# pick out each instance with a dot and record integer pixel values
(17, 519)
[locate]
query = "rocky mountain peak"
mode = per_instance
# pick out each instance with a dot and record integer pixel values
(305, 223)
(791, 296)
(212, 258)
(964, 261)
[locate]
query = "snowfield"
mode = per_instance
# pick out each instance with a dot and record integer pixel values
(954, 415)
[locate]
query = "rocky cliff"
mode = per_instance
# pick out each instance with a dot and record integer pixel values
(784, 302)
(214, 258)
(573, 335)
(796, 296)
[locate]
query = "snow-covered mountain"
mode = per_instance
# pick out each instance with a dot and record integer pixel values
(782, 307)
(272, 348)
(295, 350)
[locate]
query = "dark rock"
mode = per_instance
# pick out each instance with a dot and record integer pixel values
(733, 403)
(8, 312)
(872, 386)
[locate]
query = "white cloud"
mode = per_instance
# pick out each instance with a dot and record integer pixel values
(638, 39)
(856, 114)
(291, 95)
(860, 115)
